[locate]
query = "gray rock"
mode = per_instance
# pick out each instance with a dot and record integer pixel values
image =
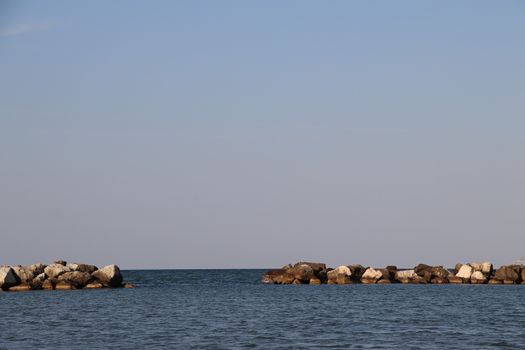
(55, 270)
(77, 278)
(23, 274)
(82, 267)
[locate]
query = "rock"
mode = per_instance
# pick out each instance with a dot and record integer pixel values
(509, 273)
(371, 275)
(23, 287)
(97, 285)
(23, 274)
(383, 281)
(420, 269)
(464, 272)
(36, 269)
(340, 275)
(110, 275)
(405, 276)
(457, 267)
(82, 267)
(483, 267)
(356, 272)
(55, 270)
(60, 262)
(495, 281)
(477, 277)
(456, 280)
(64, 285)
(41, 277)
(128, 285)
(48, 285)
(316, 267)
(302, 272)
(76, 278)
(8, 278)
(315, 281)
(296, 282)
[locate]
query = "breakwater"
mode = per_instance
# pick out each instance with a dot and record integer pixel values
(60, 276)
(470, 273)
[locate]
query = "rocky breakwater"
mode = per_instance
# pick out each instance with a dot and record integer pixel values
(60, 276)
(471, 273)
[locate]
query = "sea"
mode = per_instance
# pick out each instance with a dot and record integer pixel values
(231, 309)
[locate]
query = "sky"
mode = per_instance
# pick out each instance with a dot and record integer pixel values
(252, 134)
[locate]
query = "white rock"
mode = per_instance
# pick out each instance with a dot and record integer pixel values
(484, 267)
(464, 272)
(478, 275)
(343, 270)
(23, 273)
(405, 275)
(372, 274)
(109, 274)
(7, 277)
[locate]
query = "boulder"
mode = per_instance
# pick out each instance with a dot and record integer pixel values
(64, 285)
(465, 272)
(128, 285)
(456, 280)
(60, 262)
(76, 278)
(383, 281)
(509, 273)
(48, 285)
(111, 275)
(316, 267)
(23, 274)
(315, 280)
(483, 267)
(339, 275)
(96, 285)
(371, 276)
(41, 277)
(457, 267)
(36, 269)
(55, 270)
(8, 278)
(286, 267)
(405, 276)
(302, 272)
(82, 267)
(356, 272)
(478, 277)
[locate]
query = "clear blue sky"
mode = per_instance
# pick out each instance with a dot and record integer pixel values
(181, 134)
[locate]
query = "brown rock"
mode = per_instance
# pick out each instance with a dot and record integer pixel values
(36, 269)
(60, 262)
(315, 281)
(128, 285)
(456, 280)
(495, 281)
(316, 267)
(277, 276)
(509, 273)
(64, 285)
(23, 287)
(48, 285)
(55, 270)
(302, 272)
(97, 285)
(383, 281)
(8, 278)
(23, 274)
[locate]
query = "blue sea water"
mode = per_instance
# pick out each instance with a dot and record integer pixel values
(230, 309)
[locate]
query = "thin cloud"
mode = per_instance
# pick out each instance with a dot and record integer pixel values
(25, 28)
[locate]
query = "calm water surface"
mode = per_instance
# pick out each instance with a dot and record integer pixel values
(229, 309)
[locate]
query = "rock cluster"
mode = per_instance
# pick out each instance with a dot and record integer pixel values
(59, 276)
(471, 273)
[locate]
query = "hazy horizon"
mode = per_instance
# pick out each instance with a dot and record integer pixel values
(254, 134)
